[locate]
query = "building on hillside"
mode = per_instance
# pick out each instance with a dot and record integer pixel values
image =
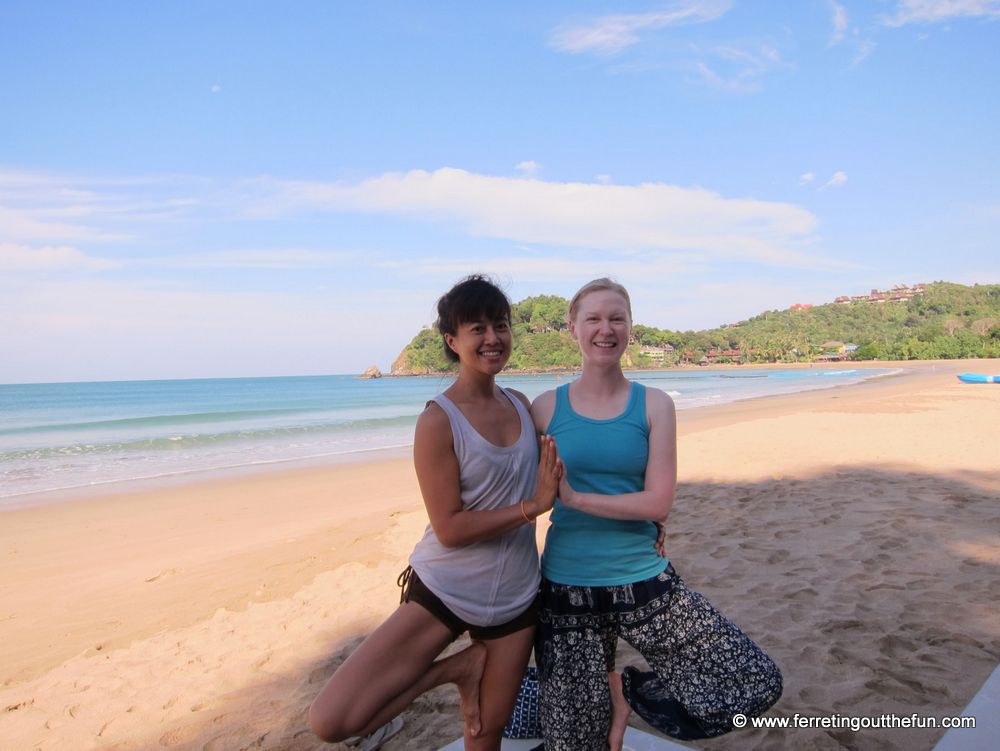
(656, 354)
(899, 293)
(833, 351)
(801, 306)
(718, 355)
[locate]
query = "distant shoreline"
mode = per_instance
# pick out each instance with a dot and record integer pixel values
(706, 368)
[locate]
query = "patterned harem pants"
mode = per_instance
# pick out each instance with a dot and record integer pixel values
(704, 669)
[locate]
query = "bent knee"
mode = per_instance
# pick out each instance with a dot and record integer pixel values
(491, 725)
(777, 686)
(768, 690)
(487, 738)
(330, 725)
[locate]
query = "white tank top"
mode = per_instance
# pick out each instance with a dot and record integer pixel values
(490, 582)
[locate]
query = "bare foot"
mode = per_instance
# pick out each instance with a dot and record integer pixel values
(470, 667)
(619, 712)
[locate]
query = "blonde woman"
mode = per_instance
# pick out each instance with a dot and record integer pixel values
(602, 576)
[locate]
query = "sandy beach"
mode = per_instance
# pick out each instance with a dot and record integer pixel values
(853, 532)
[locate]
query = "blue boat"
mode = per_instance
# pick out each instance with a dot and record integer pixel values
(979, 378)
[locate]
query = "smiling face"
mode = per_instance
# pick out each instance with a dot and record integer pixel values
(483, 344)
(475, 307)
(601, 324)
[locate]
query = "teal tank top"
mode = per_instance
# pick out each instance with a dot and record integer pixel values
(607, 457)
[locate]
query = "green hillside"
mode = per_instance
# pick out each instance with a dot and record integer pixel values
(946, 321)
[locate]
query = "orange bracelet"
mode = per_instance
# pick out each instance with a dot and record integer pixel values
(530, 521)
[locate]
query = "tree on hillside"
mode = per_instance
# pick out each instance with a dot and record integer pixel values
(948, 320)
(982, 326)
(425, 354)
(541, 313)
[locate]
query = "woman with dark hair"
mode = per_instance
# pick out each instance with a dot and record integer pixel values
(603, 579)
(484, 478)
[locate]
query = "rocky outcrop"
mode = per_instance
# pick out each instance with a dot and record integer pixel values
(401, 365)
(372, 372)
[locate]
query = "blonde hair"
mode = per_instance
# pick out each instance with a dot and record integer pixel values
(598, 285)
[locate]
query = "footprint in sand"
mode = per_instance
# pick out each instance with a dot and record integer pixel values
(218, 743)
(319, 675)
(162, 575)
(880, 558)
(845, 738)
(806, 593)
(876, 587)
(897, 686)
(811, 695)
(833, 627)
(181, 736)
(896, 647)
(778, 556)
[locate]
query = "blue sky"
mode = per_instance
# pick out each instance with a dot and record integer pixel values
(252, 188)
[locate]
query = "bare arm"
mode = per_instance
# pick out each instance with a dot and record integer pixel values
(438, 474)
(541, 411)
(653, 502)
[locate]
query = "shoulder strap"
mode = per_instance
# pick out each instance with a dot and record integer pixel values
(457, 422)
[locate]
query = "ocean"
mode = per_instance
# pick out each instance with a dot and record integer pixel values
(62, 436)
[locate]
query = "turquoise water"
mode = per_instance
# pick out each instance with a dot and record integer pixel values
(71, 435)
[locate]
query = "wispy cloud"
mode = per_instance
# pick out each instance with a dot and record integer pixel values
(846, 33)
(935, 11)
(735, 67)
(863, 48)
(528, 168)
(266, 258)
(16, 257)
(806, 177)
(550, 267)
(609, 35)
(66, 187)
(42, 207)
(840, 22)
(838, 179)
(45, 225)
(738, 69)
(618, 218)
